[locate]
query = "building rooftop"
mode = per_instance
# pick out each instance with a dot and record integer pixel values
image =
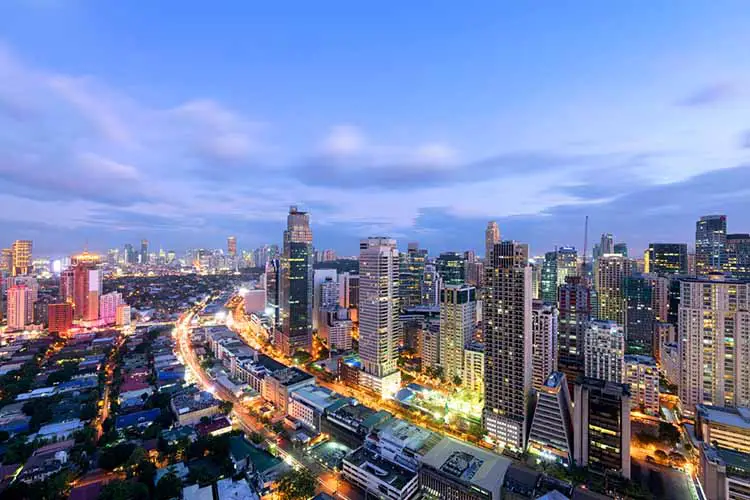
(240, 448)
(387, 472)
(407, 435)
(227, 489)
(468, 464)
(137, 418)
(735, 417)
(640, 359)
(604, 385)
(319, 397)
(291, 376)
(737, 463)
(189, 402)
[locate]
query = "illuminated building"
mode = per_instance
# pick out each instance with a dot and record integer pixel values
(320, 276)
(451, 268)
(348, 290)
(556, 268)
(273, 291)
(643, 376)
(379, 325)
(738, 255)
(457, 313)
(429, 346)
(297, 284)
(544, 342)
(232, 246)
(621, 249)
(551, 435)
(144, 252)
(722, 427)
(710, 244)
(473, 376)
(491, 237)
(604, 349)
(87, 286)
(108, 304)
(411, 275)
(574, 313)
(20, 307)
(431, 286)
(713, 333)
(21, 253)
(122, 317)
(6, 260)
(60, 317)
(601, 426)
(609, 272)
(507, 339)
(475, 273)
(638, 295)
(666, 258)
(724, 474)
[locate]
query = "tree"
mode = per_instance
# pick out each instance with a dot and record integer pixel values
(169, 486)
(297, 485)
(457, 380)
(18, 451)
(134, 460)
(124, 490)
(205, 420)
(668, 433)
(226, 407)
(115, 456)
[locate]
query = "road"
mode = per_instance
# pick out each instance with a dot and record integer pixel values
(109, 368)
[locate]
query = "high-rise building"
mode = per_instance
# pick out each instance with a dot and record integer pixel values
(607, 244)
(451, 267)
(379, 325)
(108, 304)
(21, 251)
(601, 426)
(273, 290)
(232, 246)
(345, 290)
(666, 258)
(475, 273)
(144, 252)
(491, 237)
(710, 244)
(604, 351)
(548, 288)
(20, 307)
(473, 377)
(621, 249)
(507, 336)
(642, 374)
(659, 296)
(6, 260)
(122, 316)
(87, 286)
(431, 286)
(610, 271)
(411, 275)
(551, 435)
(319, 277)
(457, 314)
(60, 317)
(639, 314)
(297, 284)
(713, 336)
(544, 342)
(738, 255)
(574, 306)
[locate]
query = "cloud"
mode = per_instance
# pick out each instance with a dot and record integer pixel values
(710, 94)
(745, 140)
(343, 141)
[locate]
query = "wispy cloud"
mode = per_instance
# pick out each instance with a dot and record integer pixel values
(712, 94)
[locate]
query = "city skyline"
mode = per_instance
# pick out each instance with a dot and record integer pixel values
(115, 130)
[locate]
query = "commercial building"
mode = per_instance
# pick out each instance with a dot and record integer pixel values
(379, 325)
(710, 244)
(401, 442)
(308, 404)
(724, 474)
(574, 313)
(642, 374)
(551, 435)
(556, 268)
(508, 344)
(411, 275)
(278, 385)
(20, 307)
(457, 470)
(190, 407)
(544, 342)
(491, 238)
(87, 286)
(457, 313)
(352, 422)
(738, 255)
(638, 295)
(723, 427)
(604, 351)
(348, 290)
(601, 426)
(296, 291)
(451, 267)
(144, 252)
(379, 477)
(21, 255)
(473, 374)
(608, 277)
(60, 317)
(713, 334)
(232, 246)
(320, 278)
(666, 259)
(123, 315)
(108, 304)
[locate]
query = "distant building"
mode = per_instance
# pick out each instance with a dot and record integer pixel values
(60, 317)
(608, 277)
(450, 267)
(544, 343)
(710, 244)
(601, 426)
(87, 282)
(411, 275)
(574, 313)
(491, 237)
(123, 315)
(738, 255)
(20, 307)
(21, 254)
(551, 435)
(638, 295)
(666, 258)
(108, 304)
(642, 374)
(232, 246)
(604, 351)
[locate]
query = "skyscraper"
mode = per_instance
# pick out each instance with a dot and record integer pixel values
(604, 351)
(144, 251)
(411, 277)
(574, 305)
(431, 286)
(457, 315)
(551, 435)
(232, 246)
(451, 268)
(710, 244)
(666, 258)
(713, 336)
(87, 286)
(544, 342)
(491, 237)
(607, 244)
(6, 260)
(297, 284)
(621, 249)
(610, 270)
(273, 290)
(738, 255)
(379, 325)
(20, 307)
(507, 336)
(21, 251)
(639, 314)
(549, 278)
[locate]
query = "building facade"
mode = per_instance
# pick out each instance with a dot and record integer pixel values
(457, 313)
(604, 351)
(544, 342)
(296, 291)
(710, 244)
(551, 435)
(666, 258)
(608, 277)
(642, 374)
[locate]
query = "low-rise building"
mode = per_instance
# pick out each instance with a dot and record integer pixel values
(723, 427)
(60, 430)
(140, 419)
(352, 422)
(724, 474)
(277, 387)
(228, 489)
(190, 407)
(383, 479)
(310, 403)
(401, 442)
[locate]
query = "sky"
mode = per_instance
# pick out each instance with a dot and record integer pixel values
(184, 122)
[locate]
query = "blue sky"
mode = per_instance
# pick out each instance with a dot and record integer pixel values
(184, 122)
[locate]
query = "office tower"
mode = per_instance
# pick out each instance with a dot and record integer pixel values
(345, 290)
(537, 265)
(639, 314)
(604, 349)
(596, 251)
(473, 377)
(6, 260)
(507, 337)
(548, 287)
(642, 374)
(144, 252)
(470, 256)
(544, 342)
(659, 296)
(713, 335)
(666, 258)
(457, 315)
(738, 255)
(621, 249)
(710, 244)
(273, 290)
(450, 268)
(21, 253)
(108, 304)
(601, 426)
(28, 281)
(319, 277)
(429, 346)
(329, 293)
(474, 273)
(20, 307)
(60, 317)
(297, 284)
(610, 270)
(87, 286)
(551, 435)
(379, 325)
(607, 244)
(574, 314)
(171, 255)
(67, 285)
(411, 275)
(431, 286)
(491, 237)
(232, 246)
